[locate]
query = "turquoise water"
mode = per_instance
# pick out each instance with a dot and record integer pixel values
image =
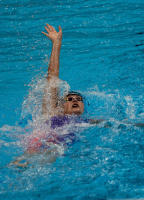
(102, 56)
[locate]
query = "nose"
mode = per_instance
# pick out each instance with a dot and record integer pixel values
(74, 100)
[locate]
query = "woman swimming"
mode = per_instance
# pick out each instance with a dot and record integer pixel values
(57, 113)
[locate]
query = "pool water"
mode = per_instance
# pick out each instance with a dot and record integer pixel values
(102, 56)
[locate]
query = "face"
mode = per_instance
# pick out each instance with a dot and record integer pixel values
(73, 105)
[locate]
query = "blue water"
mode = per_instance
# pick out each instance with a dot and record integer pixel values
(102, 57)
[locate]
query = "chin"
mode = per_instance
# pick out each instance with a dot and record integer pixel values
(77, 112)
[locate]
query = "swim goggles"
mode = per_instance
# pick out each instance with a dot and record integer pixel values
(73, 98)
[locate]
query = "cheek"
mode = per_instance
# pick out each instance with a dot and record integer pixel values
(82, 107)
(66, 106)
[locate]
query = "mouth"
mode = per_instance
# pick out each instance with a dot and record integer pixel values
(75, 105)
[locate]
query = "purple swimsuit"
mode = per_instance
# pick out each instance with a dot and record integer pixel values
(62, 121)
(57, 122)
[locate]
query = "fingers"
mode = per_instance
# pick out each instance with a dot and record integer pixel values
(50, 28)
(45, 34)
(51, 33)
(47, 29)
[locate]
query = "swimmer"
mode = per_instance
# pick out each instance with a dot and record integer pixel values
(53, 110)
(60, 112)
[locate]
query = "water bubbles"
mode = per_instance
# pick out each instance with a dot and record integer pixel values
(130, 110)
(40, 88)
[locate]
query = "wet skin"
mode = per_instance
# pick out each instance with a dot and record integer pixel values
(75, 106)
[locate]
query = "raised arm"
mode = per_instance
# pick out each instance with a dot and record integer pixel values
(56, 38)
(53, 72)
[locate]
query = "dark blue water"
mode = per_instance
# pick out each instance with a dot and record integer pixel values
(102, 56)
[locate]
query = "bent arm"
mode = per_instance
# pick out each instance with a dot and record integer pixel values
(49, 107)
(141, 125)
(108, 125)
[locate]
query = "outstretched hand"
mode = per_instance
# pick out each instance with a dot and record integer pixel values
(52, 34)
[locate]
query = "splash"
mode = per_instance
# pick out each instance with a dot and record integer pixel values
(40, 88)
(111, 104)
(32, 104)
(104, 153)
(130, 110)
